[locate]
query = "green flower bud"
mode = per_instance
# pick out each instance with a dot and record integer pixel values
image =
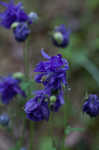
(14, 25)
(58, 37)
(18, 75)
(43, 78)
(53, 99)
(33, 17)
(63, 86)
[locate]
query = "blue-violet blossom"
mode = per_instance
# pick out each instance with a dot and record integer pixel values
(21, 32)
(60, 36)
(52, 74)
(9, 88)
(37, 108)
(13, 13)
(91, 105)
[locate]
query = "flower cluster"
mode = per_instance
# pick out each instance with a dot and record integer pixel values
(9, 88)
(91, 105)
(15, 14)
(52, 75)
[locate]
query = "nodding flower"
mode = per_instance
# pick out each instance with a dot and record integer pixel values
(60, 36)
(9, 88)
(12, 13)
(21, 32)
(91, 105)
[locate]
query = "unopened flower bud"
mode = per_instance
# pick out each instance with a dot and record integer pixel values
(18, 75)
(33, 17)
(43, 78)
(58, 37)
(14, 25)
(53, 99)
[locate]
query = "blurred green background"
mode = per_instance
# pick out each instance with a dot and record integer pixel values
(82, 17)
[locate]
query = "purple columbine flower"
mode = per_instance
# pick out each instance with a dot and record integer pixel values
(21, 32)
(60, 36)
(9, 88)
(37, 108)
(52, 74)
(13, 13)
(91, 105)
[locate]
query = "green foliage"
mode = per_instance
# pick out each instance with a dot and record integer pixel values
(17, 146)
(46, 144)
(27, 84)
(92, 4)
(69, 129)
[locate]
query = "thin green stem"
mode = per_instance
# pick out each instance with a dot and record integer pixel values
(31, 135)
(27, 78)
(63, 138)
(26, 61)
(88, 65)
(92, 69)
(22, 140)
(51, 130)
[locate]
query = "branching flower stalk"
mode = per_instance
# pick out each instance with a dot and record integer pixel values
(27, 78)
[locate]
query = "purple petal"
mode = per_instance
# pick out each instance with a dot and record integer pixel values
(31, 105)
(38, 77)
(19, 91)
(4, 4)
(19, 5)
(45, 112)
(45, 55)
(61, 97)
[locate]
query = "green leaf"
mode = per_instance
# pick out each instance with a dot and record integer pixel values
(46, 144)
(17, 146)
(68, 130)
(92, 4)
(28, 84)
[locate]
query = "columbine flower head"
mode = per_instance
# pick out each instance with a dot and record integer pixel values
(52, 74)
(21, 32)
(13, 13)
(37, 108)
(91, 105)
(9, 88)
(60, 36)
